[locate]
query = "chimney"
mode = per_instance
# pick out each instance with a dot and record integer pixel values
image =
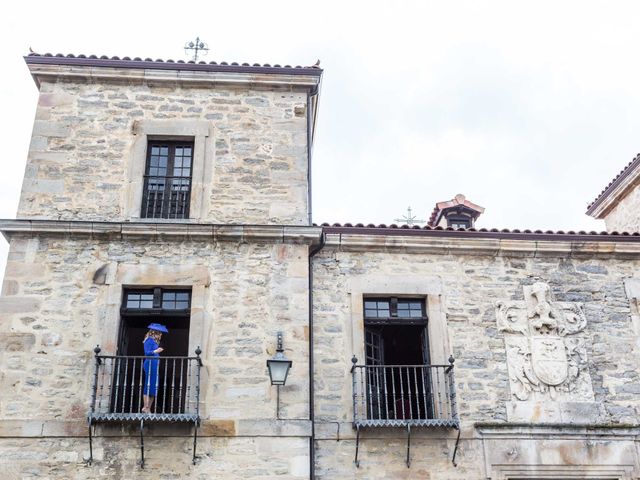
(456, 213)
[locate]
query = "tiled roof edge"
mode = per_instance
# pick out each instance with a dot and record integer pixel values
(515, 234)
(624, 173)
(148, 63)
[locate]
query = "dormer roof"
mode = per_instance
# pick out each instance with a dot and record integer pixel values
(459, 202)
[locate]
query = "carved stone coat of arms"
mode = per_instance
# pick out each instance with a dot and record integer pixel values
(546, 354)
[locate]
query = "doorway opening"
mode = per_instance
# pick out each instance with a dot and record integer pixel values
(398, 375)
(141, 307)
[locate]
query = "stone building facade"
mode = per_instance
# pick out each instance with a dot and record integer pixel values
(434, 353)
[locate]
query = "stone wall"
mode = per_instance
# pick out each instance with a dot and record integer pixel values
(467, 290)
(625, 216)
(61, 297)
(87, 152)
(166, 458)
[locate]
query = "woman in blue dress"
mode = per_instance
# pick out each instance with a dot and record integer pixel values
(150, 366)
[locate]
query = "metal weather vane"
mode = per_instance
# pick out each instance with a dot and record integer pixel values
(198, 47)
(409, 219)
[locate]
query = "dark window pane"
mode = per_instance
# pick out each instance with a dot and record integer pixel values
(168, 167)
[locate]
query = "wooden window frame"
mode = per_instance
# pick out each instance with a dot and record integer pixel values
(393, 317)
(170, 180)
(157, 308)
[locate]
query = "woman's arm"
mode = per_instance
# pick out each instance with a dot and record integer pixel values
(150, 347)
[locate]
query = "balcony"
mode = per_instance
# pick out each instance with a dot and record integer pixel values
(120, 383)
(404, 396)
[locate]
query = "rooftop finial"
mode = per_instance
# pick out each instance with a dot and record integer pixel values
(409, 218)
(198, 47)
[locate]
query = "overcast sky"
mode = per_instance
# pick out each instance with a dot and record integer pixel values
(527, 108)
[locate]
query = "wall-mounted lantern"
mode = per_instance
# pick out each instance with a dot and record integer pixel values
(279, 365)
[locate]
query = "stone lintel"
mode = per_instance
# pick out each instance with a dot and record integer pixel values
(483, 246)
(164, 76)
(303, 235)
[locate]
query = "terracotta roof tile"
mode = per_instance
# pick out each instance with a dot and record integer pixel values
(138, 62)
(455, 201)
(468, 232)
(626, 171)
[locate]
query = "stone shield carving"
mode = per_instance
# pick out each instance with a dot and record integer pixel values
(546, 356)
(549, 359)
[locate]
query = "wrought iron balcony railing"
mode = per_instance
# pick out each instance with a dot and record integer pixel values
(400, 395)
(404, 396)
(120, 384)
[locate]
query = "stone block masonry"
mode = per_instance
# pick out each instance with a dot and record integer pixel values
(625, 215)
(251, 168)
(468, 288)
(243, 293)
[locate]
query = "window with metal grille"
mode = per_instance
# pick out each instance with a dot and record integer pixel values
(167, 179)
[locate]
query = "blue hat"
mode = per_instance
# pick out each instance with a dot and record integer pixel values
(158, 327)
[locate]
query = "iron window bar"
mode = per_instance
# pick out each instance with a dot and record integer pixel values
(119, 383)
(166, 197)
(405, 396)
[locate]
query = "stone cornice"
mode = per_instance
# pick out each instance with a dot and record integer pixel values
(391, 241)
(167, 231)
(563, 430)
(563, 246)
(167, 75)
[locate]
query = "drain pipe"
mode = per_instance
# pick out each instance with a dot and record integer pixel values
(314, 92)
(312, 417)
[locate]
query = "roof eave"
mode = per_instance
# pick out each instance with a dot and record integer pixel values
(618, 189)
(162, 72)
